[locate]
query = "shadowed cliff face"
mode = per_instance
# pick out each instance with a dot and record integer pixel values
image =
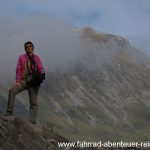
(101, 95)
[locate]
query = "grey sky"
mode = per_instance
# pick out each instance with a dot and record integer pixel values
(128, 18)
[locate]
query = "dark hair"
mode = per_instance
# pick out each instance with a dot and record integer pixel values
(29, 42)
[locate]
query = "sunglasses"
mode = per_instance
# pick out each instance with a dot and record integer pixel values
(29, 46)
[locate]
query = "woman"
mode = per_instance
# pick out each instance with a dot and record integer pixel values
(29, 74)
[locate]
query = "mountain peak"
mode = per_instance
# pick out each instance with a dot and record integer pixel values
(88, 32)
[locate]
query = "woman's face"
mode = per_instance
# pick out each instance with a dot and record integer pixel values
(29, 49)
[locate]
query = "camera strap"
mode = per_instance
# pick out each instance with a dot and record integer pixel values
(31, 64)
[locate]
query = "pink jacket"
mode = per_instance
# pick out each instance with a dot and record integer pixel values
(21, 62)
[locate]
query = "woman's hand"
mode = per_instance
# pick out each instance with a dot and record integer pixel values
(18, 83)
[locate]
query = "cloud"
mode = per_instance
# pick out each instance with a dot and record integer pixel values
(47, 22)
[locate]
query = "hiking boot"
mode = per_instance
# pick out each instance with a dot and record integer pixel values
(9, 114)
(33, 122)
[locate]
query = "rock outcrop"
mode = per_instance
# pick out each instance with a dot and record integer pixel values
(19, 134)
